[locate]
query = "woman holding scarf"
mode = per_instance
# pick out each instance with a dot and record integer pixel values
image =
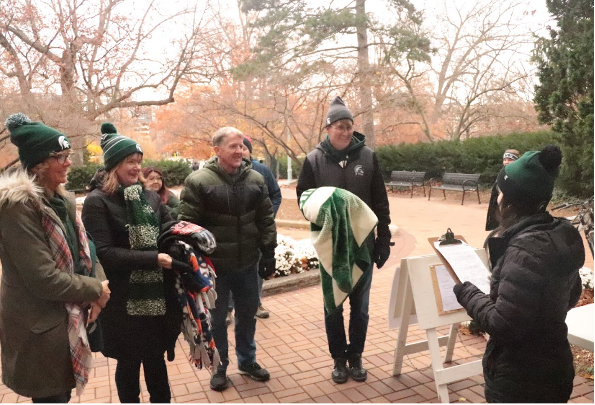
(47, 295)
(142, 320)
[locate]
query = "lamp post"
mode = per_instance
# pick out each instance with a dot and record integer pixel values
(289, 178)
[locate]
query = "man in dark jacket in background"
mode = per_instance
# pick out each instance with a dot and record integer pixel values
(343, 160)
(231, 200)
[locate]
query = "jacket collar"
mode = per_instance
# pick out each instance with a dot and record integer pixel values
(19, 187)
(213, 164)
(497, 244)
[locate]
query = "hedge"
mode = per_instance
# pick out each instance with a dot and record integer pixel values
(174, 172)
(476, 155)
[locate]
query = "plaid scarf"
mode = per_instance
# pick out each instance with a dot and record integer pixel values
(146, 296)
(80, 352)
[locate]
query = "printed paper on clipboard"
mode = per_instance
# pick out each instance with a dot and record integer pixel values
(466, 264)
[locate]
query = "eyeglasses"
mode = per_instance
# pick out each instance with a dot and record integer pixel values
(343, 128)
(61, 158)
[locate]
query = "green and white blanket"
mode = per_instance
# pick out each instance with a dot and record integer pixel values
(340, 225)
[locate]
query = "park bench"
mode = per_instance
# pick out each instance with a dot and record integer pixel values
(456, 182)
(407, 179)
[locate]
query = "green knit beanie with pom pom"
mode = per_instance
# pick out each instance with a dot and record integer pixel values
(116, 147)
(35, 140)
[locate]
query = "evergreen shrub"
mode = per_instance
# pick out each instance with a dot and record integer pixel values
(476, 155)
(295, 168)
(79, 177)
(174, 171)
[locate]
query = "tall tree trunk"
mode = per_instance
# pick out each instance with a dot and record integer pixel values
(363, 63)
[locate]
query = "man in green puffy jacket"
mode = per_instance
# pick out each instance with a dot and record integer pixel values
(231, 200)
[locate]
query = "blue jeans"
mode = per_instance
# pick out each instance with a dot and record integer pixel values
(359, 301)
(243, 284)
(230, 304)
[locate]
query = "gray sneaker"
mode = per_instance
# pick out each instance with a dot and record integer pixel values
(255, 371)
(219, 380)
(262, 313)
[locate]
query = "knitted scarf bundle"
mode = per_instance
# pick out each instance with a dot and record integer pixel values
(146, 295)
(340, 226)
(80, 352)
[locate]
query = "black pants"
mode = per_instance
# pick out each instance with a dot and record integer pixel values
(128, 374)
(62, 398)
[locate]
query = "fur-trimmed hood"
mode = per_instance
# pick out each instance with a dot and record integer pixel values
(18, 187)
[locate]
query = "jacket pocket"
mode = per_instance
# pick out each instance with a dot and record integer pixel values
(45, 324)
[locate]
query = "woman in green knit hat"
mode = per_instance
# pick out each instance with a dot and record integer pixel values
(47, 281)
(142, 320)
(534, 259)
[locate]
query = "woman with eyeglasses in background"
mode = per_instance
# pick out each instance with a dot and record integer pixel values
(153, 179)
(47, 296)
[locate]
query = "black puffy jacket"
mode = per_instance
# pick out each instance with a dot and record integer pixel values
(534, 283)
(236, 209)
(125, 336)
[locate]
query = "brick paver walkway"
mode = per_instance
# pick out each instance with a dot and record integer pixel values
(292, 342)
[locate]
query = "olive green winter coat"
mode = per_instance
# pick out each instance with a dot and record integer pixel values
(33, 319)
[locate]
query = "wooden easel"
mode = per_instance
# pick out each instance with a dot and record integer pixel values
(413, 301)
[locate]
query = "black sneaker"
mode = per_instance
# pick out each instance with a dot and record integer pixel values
(219, 379)
(255, 371)
(339, 374)
(356, 369)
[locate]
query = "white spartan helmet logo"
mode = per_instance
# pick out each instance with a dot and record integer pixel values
(64, 144)
(359, 170)
(139, 148)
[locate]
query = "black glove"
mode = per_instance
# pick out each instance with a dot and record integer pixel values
(381, 251)
(266, 267)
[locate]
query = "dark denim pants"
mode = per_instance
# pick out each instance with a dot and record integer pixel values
(243, 284)
(359, 301)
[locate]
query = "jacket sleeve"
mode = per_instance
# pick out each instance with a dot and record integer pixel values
(26, 244)
(190, 208)
(380, 204)
(96, 219)
(173, 202)
(306, 180)
(274, 190)
(265, 222)
(517, 309)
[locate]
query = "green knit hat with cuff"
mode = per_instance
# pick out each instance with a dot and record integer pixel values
(35, 140)
(116, 147)
(338, 111)
(531, 178)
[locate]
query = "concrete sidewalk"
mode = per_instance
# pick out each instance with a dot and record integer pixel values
(292, 344)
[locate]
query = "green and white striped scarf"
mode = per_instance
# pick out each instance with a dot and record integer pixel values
(146, 296)
(340, 224)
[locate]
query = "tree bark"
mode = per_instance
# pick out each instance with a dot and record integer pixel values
(363, 63)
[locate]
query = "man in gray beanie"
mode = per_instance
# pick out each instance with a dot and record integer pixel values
(343, 160)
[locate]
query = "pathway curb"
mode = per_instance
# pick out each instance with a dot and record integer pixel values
(291, 282)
